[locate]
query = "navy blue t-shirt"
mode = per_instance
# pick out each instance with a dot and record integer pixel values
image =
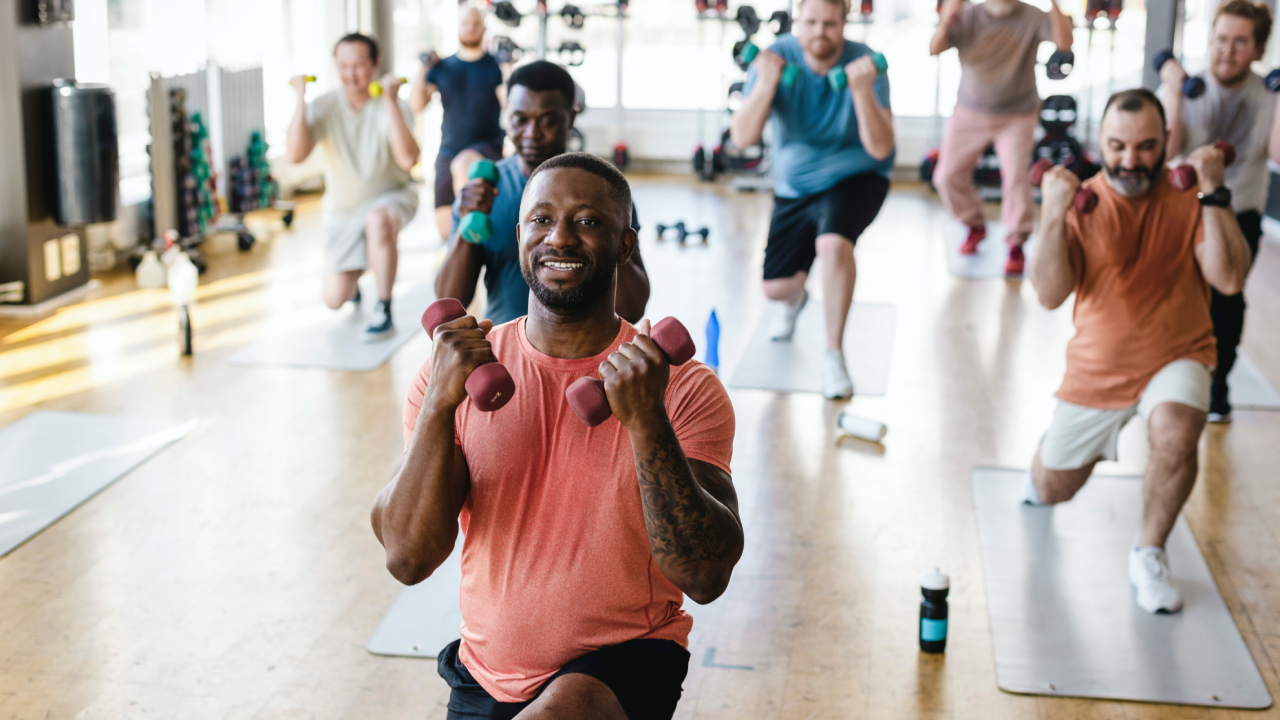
(503, 281)
(469, 93)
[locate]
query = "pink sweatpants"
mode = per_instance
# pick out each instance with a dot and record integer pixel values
(968, 134)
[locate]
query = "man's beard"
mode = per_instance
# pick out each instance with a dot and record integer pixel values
(1136, 181)
(576, 299)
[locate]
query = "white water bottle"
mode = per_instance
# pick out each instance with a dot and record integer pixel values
(862, 427)
(150, 274)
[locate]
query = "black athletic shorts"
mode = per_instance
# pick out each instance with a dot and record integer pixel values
(645, 675)
(444, 175)
(846, 209)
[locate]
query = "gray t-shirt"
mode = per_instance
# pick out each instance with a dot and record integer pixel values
(998, 57)
(358, 163)
(1242, 116)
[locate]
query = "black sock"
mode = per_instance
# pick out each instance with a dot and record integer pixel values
(386, 306)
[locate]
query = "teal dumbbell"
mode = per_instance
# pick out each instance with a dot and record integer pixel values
(476, 227)
(839, 80)
(789, 74)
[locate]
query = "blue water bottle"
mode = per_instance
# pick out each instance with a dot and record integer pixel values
(934, 586)
(713, 342)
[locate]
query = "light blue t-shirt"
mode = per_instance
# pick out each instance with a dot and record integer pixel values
(504, 283)
(815, 130)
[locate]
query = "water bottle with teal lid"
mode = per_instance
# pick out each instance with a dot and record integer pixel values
(934, 586)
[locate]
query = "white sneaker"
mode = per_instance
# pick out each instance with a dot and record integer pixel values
(1030, 495)
(784, 323)
(836, 384)
(1149, 574)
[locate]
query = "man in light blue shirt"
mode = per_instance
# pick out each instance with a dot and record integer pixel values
(833, 152)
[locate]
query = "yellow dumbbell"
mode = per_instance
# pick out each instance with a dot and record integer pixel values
(309, 78)
(375, 88)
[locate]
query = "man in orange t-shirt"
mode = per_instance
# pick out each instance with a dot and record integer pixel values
(580, 543)
(1140, 264)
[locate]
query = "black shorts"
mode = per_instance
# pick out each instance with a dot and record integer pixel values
(645, 675)
(846, 209)
(444, 175)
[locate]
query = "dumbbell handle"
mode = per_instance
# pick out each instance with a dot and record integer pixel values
(1085, 200)
(586, 395)
(1184, 176)
(490, 385)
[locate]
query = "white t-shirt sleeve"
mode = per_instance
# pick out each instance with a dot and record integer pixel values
(318, 116)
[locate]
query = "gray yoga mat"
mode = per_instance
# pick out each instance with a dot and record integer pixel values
(1249, 389)
(992, 252)
(338, 342)
(54, 461)
(796, 366)
(425, 617)
(1063, 619)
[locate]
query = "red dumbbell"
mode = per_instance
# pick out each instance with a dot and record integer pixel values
(1184, 177)
(586, 395)
(489, 386)
(1084, 201)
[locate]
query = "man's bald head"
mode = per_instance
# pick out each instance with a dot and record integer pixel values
(470, 26)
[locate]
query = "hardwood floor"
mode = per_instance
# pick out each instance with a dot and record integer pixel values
(234, 575)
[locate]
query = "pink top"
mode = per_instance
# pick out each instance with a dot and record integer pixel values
(556, 560)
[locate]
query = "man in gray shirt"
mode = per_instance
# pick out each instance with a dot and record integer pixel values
(1238, 108)
(368, 150)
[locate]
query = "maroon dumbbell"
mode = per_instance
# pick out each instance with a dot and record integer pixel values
(1084, 201)
(586, 395)
(1184, 177)
(489, 386)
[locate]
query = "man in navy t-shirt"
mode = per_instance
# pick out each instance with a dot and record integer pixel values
(540, 114)
(832, 155)
(470, 87)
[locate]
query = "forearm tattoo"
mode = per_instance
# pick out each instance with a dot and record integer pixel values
(684, 525)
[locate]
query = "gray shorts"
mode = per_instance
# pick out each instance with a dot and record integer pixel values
(345, 247)
(1079, 435)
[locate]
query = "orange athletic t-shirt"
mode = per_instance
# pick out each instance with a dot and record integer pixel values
(1141, 301)
(555, 559)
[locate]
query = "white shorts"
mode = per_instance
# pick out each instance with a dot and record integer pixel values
(345, 247)
(1080, 435)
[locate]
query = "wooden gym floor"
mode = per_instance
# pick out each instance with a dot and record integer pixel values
(234, 575)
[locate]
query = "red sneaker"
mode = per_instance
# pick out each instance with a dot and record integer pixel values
(1016, 262)
(977, 233)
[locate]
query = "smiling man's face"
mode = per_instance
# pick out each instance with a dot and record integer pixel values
(572, 238)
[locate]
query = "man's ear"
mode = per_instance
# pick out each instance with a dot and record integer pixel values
(630, 241)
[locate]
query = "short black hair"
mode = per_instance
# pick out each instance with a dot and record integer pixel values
(1131, 101)
(541, 75)
(360, 38)
(619, 188)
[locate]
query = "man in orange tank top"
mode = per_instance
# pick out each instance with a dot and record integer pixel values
(1140, 264)
(580, 542)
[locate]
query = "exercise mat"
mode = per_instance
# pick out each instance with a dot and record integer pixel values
(339, 342)
(55, 461)
(1063, 618)
(425, 617)
(1249, 388)
(796, 365)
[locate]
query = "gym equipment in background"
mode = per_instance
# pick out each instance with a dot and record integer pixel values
(505, 50)
(586, 395)
(682, 232)
(1060, 64)
(572, 53)
(55, 461)
(1192, 85)
(506, 13)
(338, 341)
(934, 586)
(1183, 177)
(861, 428)
(1097, 9)
(796, 366)
(1058, 114)
(1062, 616)
(476, 227)
(490, 385)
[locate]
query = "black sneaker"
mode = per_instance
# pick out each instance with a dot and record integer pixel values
(1219, 406)
(380, 320)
